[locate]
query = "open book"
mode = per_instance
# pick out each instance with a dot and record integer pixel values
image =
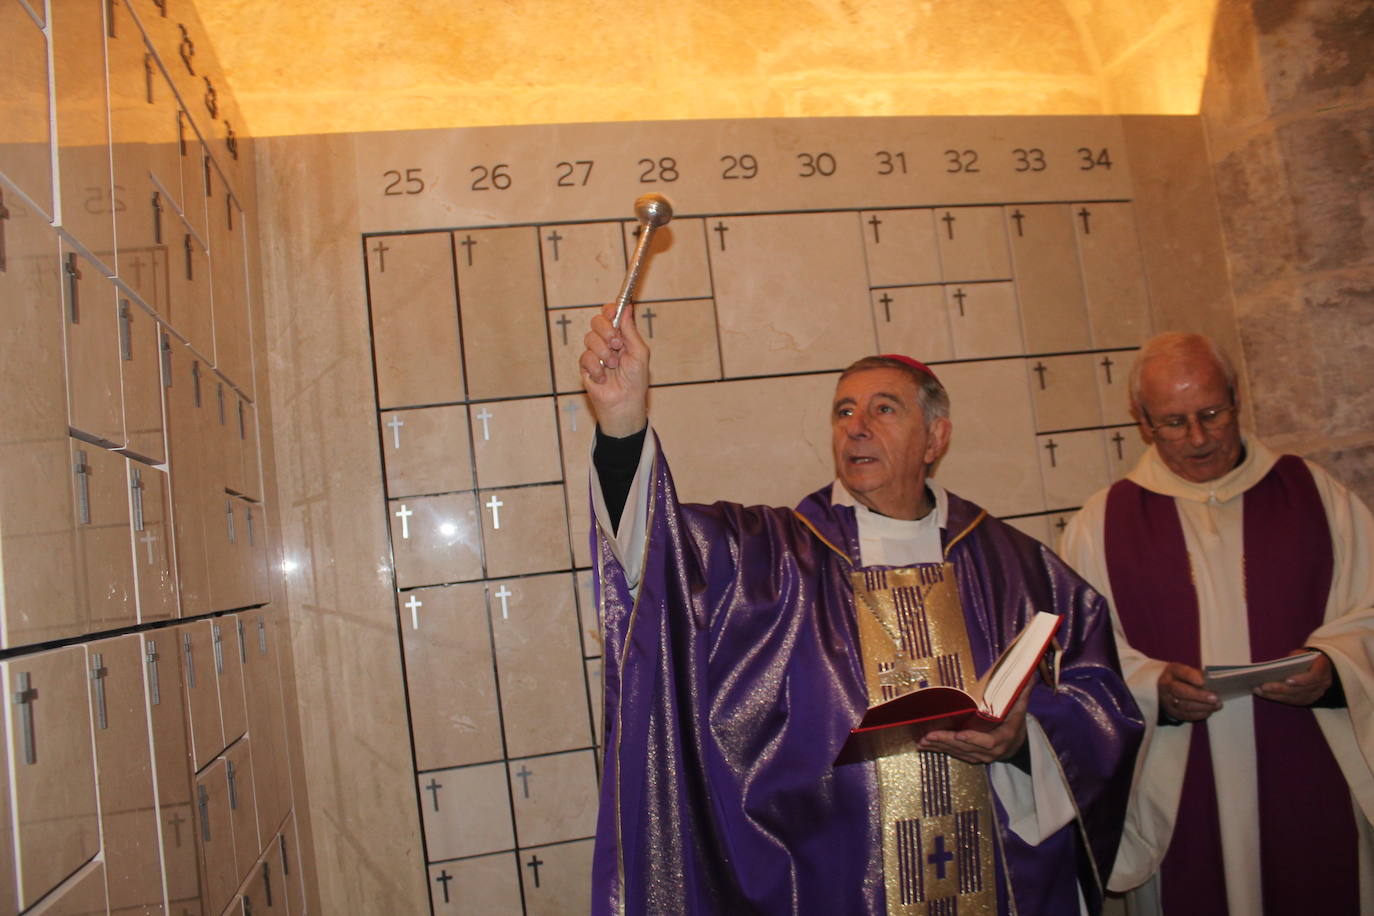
(1228, 681)
(899, 723)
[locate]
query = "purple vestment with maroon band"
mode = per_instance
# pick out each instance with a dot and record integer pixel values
(1308, 840)
(734, 678)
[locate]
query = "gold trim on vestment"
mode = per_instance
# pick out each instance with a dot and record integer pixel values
(936, 812)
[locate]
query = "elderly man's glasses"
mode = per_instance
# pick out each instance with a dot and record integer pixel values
(1176, 427)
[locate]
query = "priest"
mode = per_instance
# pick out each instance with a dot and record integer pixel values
(743, 644)
(1216, 551)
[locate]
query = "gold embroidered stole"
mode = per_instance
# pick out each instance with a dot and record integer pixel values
(936, 812)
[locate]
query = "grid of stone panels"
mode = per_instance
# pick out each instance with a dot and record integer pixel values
(1028, 312)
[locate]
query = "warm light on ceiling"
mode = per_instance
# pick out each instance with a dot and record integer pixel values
(313, 67)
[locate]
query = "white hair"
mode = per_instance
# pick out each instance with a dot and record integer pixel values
(1178, 345)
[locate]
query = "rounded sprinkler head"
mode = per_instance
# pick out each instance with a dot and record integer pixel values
(653, 210)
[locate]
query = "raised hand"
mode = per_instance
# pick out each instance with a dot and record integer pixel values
(615, 373)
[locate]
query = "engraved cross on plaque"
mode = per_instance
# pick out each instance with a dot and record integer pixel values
(404, 514)
(433, 788)
(555, 238)
(1051, 446)
(414, 605)
(533, 865)
(485, 415)
(176, 820)
(444, 878)
(649, 315)
(150, 539)
(948, 219)
(875, 223)
(960, 296)
(468, 242)
(495, 505)
(503, 595)
(381, 249)
(1107, 364)
(1118, 439)
(524, 774)
(571, 408)
(396, 423)
(886, 300)
(563, 323)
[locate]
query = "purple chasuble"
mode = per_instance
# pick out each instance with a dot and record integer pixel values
(1308, 841)
(732, 681)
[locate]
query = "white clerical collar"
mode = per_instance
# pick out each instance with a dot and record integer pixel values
(1153, 474)
(885, 541)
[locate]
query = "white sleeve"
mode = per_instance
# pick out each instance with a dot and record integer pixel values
(627, 542)
(1037, 803)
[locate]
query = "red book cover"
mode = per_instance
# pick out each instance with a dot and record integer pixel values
(898, 724)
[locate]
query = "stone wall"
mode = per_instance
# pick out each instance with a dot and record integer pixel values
(1289, 109)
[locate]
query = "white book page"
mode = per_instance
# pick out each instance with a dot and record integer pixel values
(1020, 657)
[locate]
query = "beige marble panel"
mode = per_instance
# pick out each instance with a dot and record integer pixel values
(1058, 521)
(583, 264)
(676, 265)
(791, 293)
(983, 319)
(554, 797)
(534, 625)
(124, 767)
(455, 715)
(900, 246)
(682, 333)
(684, 339)
(436, 539)
(504, 347)
(25, 136)
(339, 592)
(104, 536)
(915, 321)
(1114, 385)
(154, 569)
(214, 827)
(973, 244)
(37, 515)
(1074, 466)
(524, 530)
(86, 212)
(262, 697)
(1049, 283)
(189, 309)
(1037, 526)
(91, 306)
(1124, 447)
(426, 450)
(773, 435)
(466, 811)
(229, 661)
(169, 740)
(557, 878)
(595, 690)
(484, 884)
(243, 809)
(576, 427)
(191, 197)
(9, 877)
(53, 786)
(515, 442)
(992, 458)
(1113, 275)
(140, 338)
(591, 626)
(1065, 391)
(188, 417)
(147, 163)
(228, 264)
(83, 894)
(414, 319)
(197, 657)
